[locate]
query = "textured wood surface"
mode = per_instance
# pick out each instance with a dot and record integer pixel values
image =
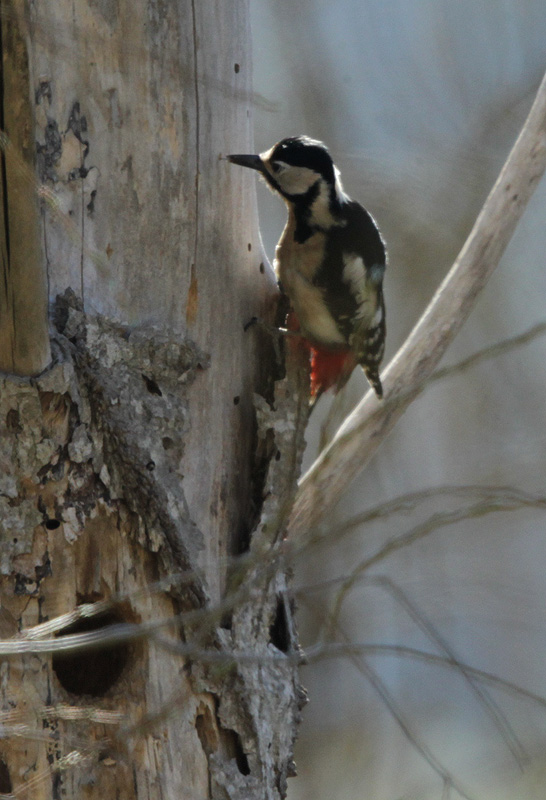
(24, 338)
(139, 454)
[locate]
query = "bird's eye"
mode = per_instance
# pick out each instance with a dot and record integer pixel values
(278, 166)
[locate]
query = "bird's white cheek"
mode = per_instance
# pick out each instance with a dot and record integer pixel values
(296, 180)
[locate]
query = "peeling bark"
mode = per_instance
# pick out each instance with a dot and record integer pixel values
(94, 509)
(148, 473)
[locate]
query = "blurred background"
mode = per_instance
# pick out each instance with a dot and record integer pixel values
(420, 102)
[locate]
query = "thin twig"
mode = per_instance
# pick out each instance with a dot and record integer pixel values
(433, 523)
(418, 743)
(491, 707)
(492, 495)
(489, 704)
(492, 351)
(365, 429)
(319, 652)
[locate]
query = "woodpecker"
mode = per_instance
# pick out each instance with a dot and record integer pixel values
(330, 261)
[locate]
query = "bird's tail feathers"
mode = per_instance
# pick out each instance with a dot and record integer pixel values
(372, 374)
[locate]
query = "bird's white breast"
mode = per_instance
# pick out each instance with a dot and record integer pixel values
(296, 264)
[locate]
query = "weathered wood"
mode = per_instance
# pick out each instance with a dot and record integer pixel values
(139, 455)
(24, 336)
(134, 110)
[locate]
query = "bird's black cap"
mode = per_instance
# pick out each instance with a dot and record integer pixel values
(301, 151)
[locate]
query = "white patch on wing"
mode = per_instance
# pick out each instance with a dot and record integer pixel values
(378, 316)
(354, 273)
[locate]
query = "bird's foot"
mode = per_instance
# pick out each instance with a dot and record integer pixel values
(274, 330)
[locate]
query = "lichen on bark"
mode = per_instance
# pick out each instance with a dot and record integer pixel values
(93, 502)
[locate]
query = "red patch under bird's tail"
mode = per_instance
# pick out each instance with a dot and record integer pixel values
(329, 368)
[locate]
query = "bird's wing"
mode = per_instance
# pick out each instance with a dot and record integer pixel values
(351, 274)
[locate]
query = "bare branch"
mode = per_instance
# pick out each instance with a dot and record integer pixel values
(365, 429)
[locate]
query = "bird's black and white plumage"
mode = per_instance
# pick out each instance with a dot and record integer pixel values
(330, 259)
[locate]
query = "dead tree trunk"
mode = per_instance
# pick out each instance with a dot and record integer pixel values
(24, 340)
(147, 471)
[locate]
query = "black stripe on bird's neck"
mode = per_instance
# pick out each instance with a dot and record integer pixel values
(302, 203)
(303, 211)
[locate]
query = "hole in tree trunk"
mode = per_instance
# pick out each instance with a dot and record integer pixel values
(152, 385)
(5, 780)
(232, 742)
(279, 634)
(207, 731)
(91, 671)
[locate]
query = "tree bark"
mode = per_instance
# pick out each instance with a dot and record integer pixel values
(155, 447)
(24, 338)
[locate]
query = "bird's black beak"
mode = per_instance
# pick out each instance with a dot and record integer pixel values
(254, 162)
